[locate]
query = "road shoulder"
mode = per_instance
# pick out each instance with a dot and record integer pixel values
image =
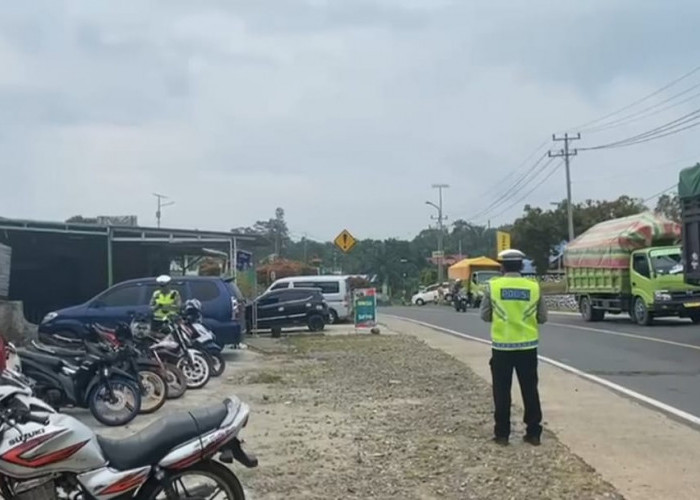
(643, 453)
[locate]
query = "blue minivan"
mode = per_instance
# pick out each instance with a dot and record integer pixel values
(223, 306)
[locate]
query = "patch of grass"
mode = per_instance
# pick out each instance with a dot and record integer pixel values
(264, 378)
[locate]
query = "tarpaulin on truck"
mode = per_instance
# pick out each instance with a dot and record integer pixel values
(689, 182)
(462, 270)
(608, 244)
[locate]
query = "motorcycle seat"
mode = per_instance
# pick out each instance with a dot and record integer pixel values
(152, 443)
(59, 352)
(51, 362)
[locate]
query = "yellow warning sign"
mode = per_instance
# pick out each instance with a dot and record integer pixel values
(502, 241)
(345, 241)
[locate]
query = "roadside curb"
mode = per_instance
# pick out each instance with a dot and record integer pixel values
(670, 411)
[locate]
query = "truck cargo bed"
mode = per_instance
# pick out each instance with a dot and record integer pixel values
(584, 280)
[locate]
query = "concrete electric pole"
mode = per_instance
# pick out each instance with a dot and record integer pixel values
(566, 153)
(160, 198)
(440, 218)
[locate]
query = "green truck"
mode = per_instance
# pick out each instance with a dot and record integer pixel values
(689, 198)
(631, 265)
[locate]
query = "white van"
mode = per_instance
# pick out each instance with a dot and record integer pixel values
(335, 289)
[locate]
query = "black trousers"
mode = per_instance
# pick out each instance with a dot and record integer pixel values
(525, 365)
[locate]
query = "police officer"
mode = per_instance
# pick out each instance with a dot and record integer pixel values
(513, 306)
(164, 302)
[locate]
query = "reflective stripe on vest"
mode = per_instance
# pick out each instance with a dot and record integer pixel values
(514, 303)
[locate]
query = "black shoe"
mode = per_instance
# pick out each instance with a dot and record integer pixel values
(501, 441)
(533, 440)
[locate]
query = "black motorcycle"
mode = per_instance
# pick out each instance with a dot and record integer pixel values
(96, 382)
(151, 376)
(461, 301)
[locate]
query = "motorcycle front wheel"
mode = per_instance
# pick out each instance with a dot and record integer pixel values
(177, 382)
(155, 391)
(197, 373)
(180, 484)
(115, 401)
(218, 364)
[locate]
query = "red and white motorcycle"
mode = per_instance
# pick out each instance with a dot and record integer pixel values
(45, 454)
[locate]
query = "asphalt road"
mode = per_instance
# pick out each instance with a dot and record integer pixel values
(660, 361)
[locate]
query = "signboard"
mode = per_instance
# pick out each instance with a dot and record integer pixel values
(438, 255)
(345, 241)
(365, 308)
(502, 241)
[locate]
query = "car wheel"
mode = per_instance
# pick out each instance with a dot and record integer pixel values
(316, 323)
(695, 318)
(420, 302)
(332, 317)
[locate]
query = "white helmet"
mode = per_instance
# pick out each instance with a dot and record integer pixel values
(163, 280)
(511, 255)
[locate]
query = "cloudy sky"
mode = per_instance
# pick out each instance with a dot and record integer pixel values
(342, 112)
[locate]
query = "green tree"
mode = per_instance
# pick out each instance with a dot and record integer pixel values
(669, 206)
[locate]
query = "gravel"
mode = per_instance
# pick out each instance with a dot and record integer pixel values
(360, 416)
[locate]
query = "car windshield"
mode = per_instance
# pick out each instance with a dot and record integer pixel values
(484, 277)
(667, 263)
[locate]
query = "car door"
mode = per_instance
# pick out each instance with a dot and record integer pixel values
(117, 304)
(641, 277)
(267, 306)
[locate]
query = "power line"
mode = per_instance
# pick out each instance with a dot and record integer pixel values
(664, 130)
(515, 170)
(639, 101)
(636, 169)
(641, 114)
(519, 184)
(520, 200)
(671, 187)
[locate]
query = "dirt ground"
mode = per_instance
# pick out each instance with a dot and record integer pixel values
(385, 416)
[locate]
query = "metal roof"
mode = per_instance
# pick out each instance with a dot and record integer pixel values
(123, 233)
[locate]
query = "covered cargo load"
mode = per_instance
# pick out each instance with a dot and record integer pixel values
(689, 195)
(598, 261)
(608, 245)
(463, 269)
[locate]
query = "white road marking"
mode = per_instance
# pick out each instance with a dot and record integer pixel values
(678, 413)
(625, 334)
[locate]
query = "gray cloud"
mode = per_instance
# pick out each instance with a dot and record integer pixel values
(342, 112)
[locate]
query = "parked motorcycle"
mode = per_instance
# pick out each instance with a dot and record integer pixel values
(151, 377)
(111, 394)
(173, 348)
(200, 337)
(49, 455)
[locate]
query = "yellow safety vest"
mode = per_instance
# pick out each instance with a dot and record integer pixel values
(514, 303)
(164, 304)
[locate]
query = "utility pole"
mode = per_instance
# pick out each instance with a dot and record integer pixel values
(440, 218)
(160, 198)
(566, 153)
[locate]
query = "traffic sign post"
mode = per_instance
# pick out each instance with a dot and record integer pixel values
(345, 241)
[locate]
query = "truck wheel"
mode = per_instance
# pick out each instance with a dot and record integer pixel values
(586, 309)
(641, 313)
(695, 318)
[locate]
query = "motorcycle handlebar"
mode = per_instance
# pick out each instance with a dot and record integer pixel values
(37, 419)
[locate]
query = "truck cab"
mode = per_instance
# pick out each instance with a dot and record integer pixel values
(658, 288)
(478, 282)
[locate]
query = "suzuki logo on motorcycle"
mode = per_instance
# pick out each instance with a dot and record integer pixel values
(26, 436)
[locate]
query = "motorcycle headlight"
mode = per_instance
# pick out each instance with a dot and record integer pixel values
(50, 316)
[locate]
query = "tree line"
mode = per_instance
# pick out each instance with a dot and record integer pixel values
(404, 265)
